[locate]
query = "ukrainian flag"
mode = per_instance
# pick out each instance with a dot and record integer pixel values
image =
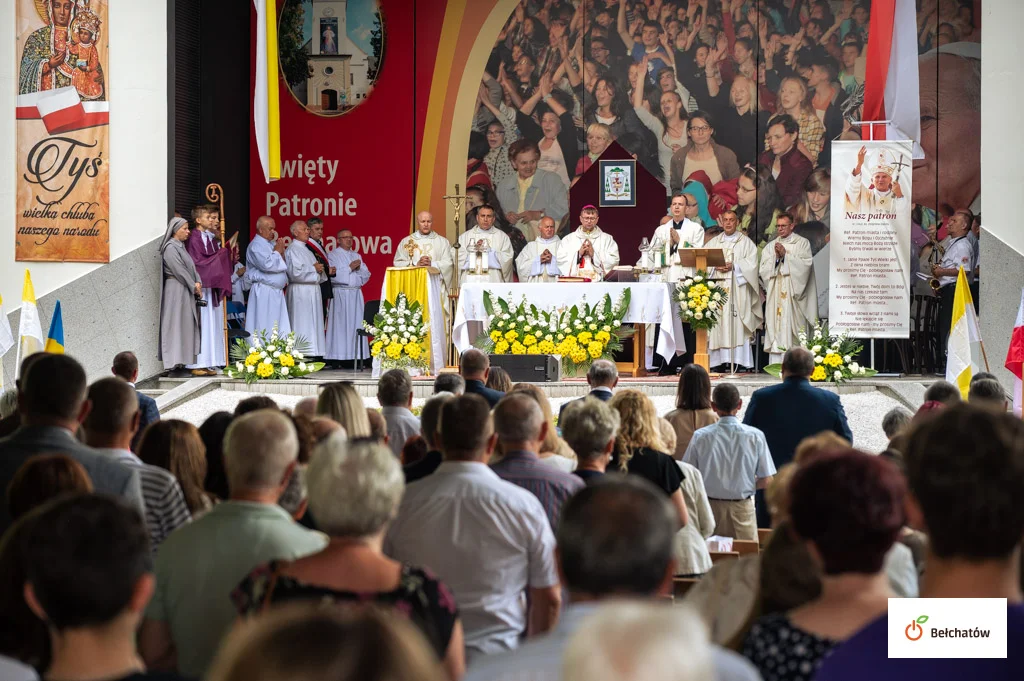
(55, 339)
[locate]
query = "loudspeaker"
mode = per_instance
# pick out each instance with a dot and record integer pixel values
(530, 368)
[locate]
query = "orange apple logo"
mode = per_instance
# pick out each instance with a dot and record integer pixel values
(914, 630)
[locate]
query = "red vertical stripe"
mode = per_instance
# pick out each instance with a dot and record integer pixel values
(876, 71)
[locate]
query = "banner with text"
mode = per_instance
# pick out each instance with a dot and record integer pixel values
(63, 178)
(869, 292)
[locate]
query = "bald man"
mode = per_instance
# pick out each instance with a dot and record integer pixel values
(538, 262)
(346, 314)
(954, 97)
(267, 271)
(426, 248)
(305, 302)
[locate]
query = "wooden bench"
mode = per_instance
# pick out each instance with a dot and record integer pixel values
(763, 535)
(717, 556)
(681, 585)
(745, 546)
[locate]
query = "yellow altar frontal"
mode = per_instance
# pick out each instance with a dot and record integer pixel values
(421, 285)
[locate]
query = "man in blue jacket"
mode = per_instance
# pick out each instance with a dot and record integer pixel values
(474, 366)
(791, 411)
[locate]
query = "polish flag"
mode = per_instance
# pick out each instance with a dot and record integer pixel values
(891, 77)
(1015, 357)
(62, 110)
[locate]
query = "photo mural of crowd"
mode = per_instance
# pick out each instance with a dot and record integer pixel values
(732, 102)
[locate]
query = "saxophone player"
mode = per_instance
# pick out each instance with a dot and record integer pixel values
(959, 253)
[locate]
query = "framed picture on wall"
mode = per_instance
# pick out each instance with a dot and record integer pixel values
(618, 183)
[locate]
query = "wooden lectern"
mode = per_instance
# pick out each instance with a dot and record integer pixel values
(701, 259)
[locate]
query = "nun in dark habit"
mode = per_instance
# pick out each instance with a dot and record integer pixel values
(179, 319)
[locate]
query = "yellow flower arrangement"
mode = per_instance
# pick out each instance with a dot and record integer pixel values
(578, 354)
(529, 340)
(533, 350)
(511, 336)
(394, 350)
(832, 360)
(414, 350)
(518, 348)
(377, 347)
(595, 350)
(495, 336)
(501, 347)
(602, 337)
(286, 360)
(253, 359)
(264, 370)
(546, 347)
(585, 338)
(819, 373)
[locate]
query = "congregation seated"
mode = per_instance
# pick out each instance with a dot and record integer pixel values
(394, 392)
(691, 551)
(988, 393)
(378, 427)
(430, 419)
(499, 380)
(589, 427)
(176, 447)
(354, 491)
(554, 451)
(212, 433)
(449, 383)
(693, 407)
(474, 367)
(342, 404)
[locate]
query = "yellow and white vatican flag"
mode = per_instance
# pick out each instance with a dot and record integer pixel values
(964, 335)
(265, 109)
(30, 331)
(6, 337)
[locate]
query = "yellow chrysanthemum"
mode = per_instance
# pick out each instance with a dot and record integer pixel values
(413, 350)
(602, 336)
(394, 350)
(264, 370)
(377, 347)
(495, 336)
(501, 347)
(287, 360)
(819, 373)
(595, 350)
(533, 350)
(511, 336)
(585, 337)
(252, 360)
(570, 342)
(518, 348)
(578, 354)
(529, 340)
(546, 347)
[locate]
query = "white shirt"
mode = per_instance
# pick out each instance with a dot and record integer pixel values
(731, 456)
(959, 253)
(487, 539)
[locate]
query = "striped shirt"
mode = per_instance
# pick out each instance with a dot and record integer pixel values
(550, 485)
(166, 510)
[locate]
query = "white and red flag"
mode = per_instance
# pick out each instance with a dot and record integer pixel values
(891, 78)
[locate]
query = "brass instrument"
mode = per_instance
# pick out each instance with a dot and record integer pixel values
(935, 258)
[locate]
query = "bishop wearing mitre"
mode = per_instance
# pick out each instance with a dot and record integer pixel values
(729, 341)
(485, 252)
(305, 302)
(679, 232)
(426, 248)
(588, 252)
(787, 274)
(883, 195)
(538, 261)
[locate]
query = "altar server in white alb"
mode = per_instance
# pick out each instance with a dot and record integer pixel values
(485, 252)
(787, 274)
(267, 273)
(538, 262)
(346, 314)
(588, 252)
(729, 341)
(677, 233)
(305, 304)
(426, 248)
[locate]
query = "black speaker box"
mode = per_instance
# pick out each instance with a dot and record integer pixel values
(529, 368)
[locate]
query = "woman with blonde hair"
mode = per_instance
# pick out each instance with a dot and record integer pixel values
(354, 492)
(176, 446)
(554, 451)
(341, 402)
(310, 643)
(794, 100)
(599, 138)
(816, 202)
(742, 121)
(639, 450)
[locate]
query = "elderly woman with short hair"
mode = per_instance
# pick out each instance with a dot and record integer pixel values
(354, 492)
(589, 426)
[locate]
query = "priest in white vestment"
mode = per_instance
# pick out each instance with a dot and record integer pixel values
(491, 256)
(787, 274)
(679, 232)
(729, 341)
(305, 303)
(346, 314)
(588, 252)
(883, 196)
(267, 273)
(426, 248)
(538, 261)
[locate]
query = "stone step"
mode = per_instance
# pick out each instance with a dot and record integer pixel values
(161, 383)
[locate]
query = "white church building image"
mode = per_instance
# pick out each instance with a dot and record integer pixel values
(338, 70)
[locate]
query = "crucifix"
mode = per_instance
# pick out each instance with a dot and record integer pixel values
(456, 200)
(899, 166)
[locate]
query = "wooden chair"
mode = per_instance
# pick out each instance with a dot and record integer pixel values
(681, 585)
(763, 534)
(717, 556)
(745, 546)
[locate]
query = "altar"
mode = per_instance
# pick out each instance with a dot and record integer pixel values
(421, 285)
(650, 303)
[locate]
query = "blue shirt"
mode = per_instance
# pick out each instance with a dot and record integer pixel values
(731, 456)
(865, 655)
(550, 485)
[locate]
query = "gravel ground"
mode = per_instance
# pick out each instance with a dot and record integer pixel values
(863, 410)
